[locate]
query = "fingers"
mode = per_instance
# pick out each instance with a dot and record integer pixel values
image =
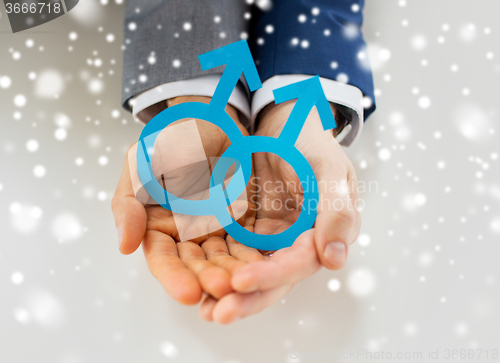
(164, 263)
(214, 280)
(242, 252)
(230, 255)
(217, 253)
(129, 213)
(334, 233)
(285, 267)
(206, 308)
(338, 221)
(236, 306)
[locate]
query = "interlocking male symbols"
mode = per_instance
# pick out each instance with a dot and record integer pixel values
(238, 60)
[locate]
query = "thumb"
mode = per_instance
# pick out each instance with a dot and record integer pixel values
(338, 221)
(129, 213)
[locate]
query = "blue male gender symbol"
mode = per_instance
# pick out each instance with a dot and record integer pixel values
(238, 60)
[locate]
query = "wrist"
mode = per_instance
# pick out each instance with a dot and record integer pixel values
(273, 117)
(232, 111)
(147, 114)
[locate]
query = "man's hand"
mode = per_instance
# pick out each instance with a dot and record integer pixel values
(258, 285)
(238, 280)
(202, 264)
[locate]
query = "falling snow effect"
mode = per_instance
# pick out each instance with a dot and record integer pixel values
(25, 218)
(361, 282)
(5, 82)
(364, 240)
(49, 84)
(334, 285)
(473, 122)
(168, 349)
(88, 13)
(421, 273)
(66, 228)
(45, 309)
(17, 278)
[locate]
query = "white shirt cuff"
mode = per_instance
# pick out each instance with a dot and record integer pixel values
(335, 92)
(199, 86)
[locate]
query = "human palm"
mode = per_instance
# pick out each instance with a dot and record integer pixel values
(279, 203)
(239, 280)
(189, 255)
(281, 193)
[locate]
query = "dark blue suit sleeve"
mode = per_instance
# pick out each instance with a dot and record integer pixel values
(316, 37)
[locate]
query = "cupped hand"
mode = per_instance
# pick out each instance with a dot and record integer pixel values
(259, 284)
(205, 261)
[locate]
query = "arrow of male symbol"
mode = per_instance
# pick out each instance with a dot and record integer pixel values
(308, 93)
(238, 59)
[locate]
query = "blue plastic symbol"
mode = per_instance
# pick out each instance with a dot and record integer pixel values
(238, 60)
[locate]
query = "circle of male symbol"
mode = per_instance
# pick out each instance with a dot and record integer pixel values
(308, 93)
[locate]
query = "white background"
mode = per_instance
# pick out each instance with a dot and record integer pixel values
(423, 276)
